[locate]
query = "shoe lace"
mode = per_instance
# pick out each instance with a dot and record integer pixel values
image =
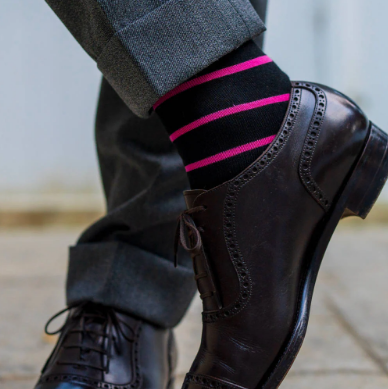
(79, 323)
(187, 234)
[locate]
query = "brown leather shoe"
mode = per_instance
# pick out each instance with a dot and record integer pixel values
(100, 347)
(258, 240)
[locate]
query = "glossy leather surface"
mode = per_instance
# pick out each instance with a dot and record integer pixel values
(258, 232)
(140, 355)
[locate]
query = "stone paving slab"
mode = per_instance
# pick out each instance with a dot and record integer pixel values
(336, 381)
(346, 344)
(343, 380)
(18, 384)
(358, 291)
(32, 266)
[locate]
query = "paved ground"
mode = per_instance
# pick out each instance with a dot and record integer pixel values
(347, 342)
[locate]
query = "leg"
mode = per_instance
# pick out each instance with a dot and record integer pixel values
(124, 260)
(127, 240)
(256, 238)
(123, 292)
(118, 260)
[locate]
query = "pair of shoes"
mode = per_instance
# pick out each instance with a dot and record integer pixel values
(257, 242)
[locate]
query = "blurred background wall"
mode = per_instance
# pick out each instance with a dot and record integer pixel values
(49, 87)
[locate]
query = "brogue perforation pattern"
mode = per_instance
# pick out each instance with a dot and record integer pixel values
(72, 378)
(311, 143)
(235, 186)
(207, 382)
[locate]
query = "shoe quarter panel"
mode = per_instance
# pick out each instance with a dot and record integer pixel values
(267, 230)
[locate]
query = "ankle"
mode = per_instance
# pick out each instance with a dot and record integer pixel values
(223, 119)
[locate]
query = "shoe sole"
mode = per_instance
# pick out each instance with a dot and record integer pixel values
(357, 198)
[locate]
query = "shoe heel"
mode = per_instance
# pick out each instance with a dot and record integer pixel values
(369, 176)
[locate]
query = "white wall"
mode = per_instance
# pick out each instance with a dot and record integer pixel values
(342, 43)
(48, 92)
(48, 86)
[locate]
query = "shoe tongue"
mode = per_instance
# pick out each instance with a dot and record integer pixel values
(94, 308)
(191, 195)
(94, 314)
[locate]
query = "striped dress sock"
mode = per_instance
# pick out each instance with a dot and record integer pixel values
(223, 119)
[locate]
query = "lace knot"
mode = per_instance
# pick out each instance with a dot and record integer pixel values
(187, 233)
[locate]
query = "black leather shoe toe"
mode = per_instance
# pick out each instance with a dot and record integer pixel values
(100, 347)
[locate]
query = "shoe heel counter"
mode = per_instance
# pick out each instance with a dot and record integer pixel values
(369, 176)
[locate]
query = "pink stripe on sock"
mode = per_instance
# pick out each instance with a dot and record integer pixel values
(213, 76)
(227, 112)
(230, 153)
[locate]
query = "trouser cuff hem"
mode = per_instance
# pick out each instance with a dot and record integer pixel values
(131, 279)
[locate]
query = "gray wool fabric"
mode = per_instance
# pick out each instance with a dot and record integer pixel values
(125, 259)
(145, 48)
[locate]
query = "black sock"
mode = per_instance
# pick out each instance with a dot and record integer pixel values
(222, 119)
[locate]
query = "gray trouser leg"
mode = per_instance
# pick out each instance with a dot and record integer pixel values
(125, 259)
(145, 48)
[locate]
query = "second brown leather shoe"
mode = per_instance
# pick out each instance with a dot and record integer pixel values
(257, 241)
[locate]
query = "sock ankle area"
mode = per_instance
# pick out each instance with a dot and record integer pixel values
(223, 119)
